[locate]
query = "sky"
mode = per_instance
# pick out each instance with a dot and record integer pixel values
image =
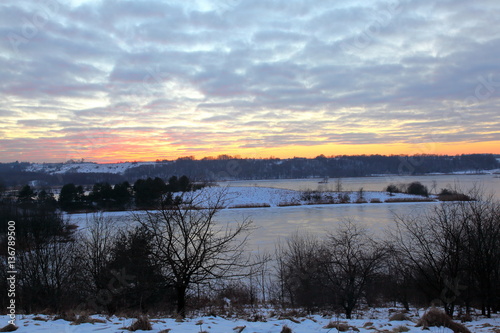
(112, 80)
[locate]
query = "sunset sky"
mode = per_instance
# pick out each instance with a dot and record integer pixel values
(114, 80)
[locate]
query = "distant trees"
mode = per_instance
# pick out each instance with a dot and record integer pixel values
(44, 245)
(145, 193)
(415, 188)
(72, 197)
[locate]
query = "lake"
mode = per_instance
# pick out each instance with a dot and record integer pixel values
(279, 222)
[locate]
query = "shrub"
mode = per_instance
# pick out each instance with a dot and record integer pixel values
(142, 323)
(451, 195)
(417, 188)
(344, 198)
(391, 188)
(400, 329)
(435, 317)
(399, 317)
(286, 329)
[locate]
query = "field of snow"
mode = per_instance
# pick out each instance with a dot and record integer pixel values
(85, 167)
(247, 197)
(374, 320)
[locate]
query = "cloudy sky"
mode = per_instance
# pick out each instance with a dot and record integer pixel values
(125, 80)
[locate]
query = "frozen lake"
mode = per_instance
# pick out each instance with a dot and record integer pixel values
(279, 222)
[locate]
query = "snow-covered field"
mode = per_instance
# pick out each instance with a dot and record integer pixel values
(247, 197)
(85, 167)
(374, 320)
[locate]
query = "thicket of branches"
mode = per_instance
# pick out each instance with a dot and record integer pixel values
(178, 258)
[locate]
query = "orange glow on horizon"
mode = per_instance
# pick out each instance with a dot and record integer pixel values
(147, 152)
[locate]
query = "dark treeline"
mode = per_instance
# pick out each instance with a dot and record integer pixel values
(143, 194)
(226, 167)
(179, 259)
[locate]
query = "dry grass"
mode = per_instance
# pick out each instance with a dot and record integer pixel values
(409, 200)
(454, 197)
(287, 204)
(67, 316)
(9, 328)
(142, 323)
(438, 318)
(40, 318)
(262, 205)
(399, 317)
(341, 327)
(86, 319)
(400, 329)
(286, 329)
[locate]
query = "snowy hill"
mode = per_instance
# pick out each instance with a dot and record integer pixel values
(85, 167)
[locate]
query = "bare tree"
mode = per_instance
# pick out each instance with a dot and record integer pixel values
(482, 223)
(352, 257)
(432, 245)
(191, 246)
(299, 270)
(96, 243)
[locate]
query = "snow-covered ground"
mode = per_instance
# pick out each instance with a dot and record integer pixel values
(247, 197)
(85, 167)
(373, 320)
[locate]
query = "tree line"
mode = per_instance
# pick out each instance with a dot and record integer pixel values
(179, 258)
(225, 167)
(144, 193)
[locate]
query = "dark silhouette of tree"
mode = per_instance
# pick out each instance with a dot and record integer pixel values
(418, 189)
(26, 195)
(102, 195)
(353, 257)
(148, 192)
(122, 194)
(192, 247)
(300, 271)
(72, 197)
(146, 289)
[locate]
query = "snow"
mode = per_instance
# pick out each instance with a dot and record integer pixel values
(371, 320)
(247, 197)
(85, 167)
